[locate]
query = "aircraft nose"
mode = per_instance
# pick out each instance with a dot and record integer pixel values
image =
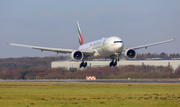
(119, 47)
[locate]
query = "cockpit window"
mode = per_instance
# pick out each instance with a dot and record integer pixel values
(118, 41)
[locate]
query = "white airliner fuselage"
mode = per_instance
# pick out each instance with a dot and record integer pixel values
(111, 46)
(105, 46)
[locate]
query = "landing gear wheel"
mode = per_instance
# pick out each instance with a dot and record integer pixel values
(83, 64)
(113, 63)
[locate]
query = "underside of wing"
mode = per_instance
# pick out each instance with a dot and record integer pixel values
(58, 50)
(148, 45)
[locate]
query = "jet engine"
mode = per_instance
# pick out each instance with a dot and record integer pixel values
(130, 54)
(77, 55)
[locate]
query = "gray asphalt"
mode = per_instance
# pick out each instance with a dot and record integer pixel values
(98, 81)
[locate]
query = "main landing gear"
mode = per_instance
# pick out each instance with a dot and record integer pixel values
(83, 64)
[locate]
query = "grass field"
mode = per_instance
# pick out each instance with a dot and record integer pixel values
(51, 94)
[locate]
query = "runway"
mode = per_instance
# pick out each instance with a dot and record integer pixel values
(98, 81)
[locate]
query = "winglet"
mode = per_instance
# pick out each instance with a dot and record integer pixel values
(79, 34)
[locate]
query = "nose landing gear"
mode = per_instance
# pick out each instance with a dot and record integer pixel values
(113, 63)
(114, 60)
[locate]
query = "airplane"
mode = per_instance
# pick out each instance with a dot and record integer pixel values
(112, 47)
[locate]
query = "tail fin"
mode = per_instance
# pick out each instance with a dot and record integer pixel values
(80, 36)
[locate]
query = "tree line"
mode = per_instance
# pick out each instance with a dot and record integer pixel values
(39, 68)
(130, 71)
(161, 55)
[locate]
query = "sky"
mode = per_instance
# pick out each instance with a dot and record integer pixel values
(53, 23)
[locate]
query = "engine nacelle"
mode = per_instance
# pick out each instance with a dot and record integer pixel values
(130, 54)
(77, 55)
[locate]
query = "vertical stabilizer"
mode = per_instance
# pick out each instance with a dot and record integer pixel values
(79, 34)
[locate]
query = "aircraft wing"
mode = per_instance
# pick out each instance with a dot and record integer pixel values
(148, 45)
(58, 50)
